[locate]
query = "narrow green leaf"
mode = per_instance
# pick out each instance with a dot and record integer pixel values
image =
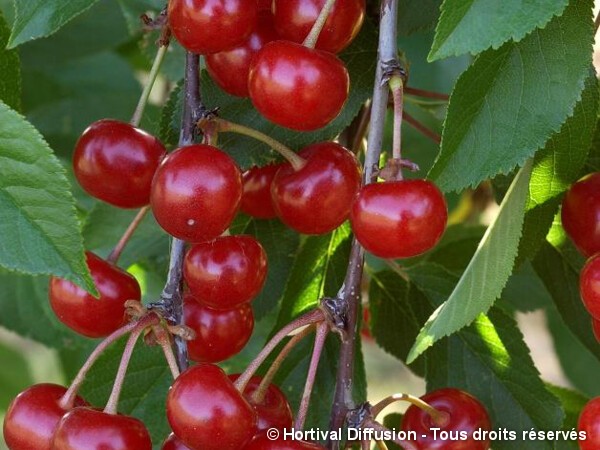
(40, 18)
(476, 25)
(511, 100)
(487, 273)
(10, 68)
(38, 226)
(417, 15)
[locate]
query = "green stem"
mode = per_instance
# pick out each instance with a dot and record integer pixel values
(313, 36)
(116, 253)
(397, 87)
(141, 106)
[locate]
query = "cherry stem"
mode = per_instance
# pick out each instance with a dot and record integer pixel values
(313, 36)
(137, 220)
(164, 340)
(322, 332)
(397, 87)
(440, 418)
(258, 395)
(154, 71)
(422, 128)
(596, 24)
(365, 445)
(224, 126)
(361, 130)
(426, 94)
(314, 316)
(406, 445)
(381, 445)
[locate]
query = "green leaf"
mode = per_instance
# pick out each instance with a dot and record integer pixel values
(15, 375)
(572, 402)
(39, 228)
(10, 68)
(40, 18)
(487, 273)
(417, 15)
(511, 100)
(476, 25)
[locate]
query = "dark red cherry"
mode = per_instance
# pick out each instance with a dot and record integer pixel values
(90, 316)
(464, 413)
(589, 286)
(230, 69)
(207, 412)
(317, 198)
(32, 417)
(227, 271)
(581, 214)
(256, 199)
(596, 329)
(589, 423)
(196, 192)
(295, 18)
(262, 442)
(115, 162)
(399, 219)
(298, 87)
(220, 333)
(90, 429)
(264, 4)
(211, 26)
(273, 410)
(174, 443)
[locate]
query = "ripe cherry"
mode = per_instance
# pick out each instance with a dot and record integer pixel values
(230, 69)
(227, 271)
(399, 219)
(295, 18)
(461, 413)
(596, 329)
(220, 334)
(207, 412)
(589, 286)
(174, 443)
(298, 87)
(264, 4)
(211, 26)
(115, 162)
(589, 422)
(196, 192)
(89, 316)
(33, 415)
(581, 214)
(256, 199)
(89, 429)
(317, 198)
(273, 409)
(262, 442)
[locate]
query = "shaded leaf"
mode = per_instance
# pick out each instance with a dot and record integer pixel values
(10, 68)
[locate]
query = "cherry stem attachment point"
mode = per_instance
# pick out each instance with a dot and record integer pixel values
(396, 84)
(143, 102)
(439, 418)
(313, 36)
(116, 252)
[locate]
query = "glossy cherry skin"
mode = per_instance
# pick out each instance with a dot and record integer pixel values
(295, 18)
(220, 333)
(226, 272)
(464, 414)
(230, 69)
(196, 192)
(174, 443)
(256, 199)
(264, 5)
(297, 87)
(399, 219)
(207, 412)
(596, 329)
(90, 316)
(589, 286)
(211, 26)
(89, 429)
(273, 411)
(589, 422)
(581, 214)
(262, 442)
(317, 198)
(32, 417)
(115, 162)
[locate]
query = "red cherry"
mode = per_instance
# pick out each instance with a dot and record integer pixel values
(115, 162)
(589, 286)
(581, 214)
(196, 192)
(174, 443)
(264, 4)
(207, 412)
(464, 414)
(589, 423)
(298, 87)
(211, 26)
(596, 329)
(227, 271)
(89, 316)
(399, 219)
(256, 199)
(273, 411)
(230, 69)
(89, 429)
(33, 416)
(220, 334)
(262, 442)
(317, 198)
(295, 18)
